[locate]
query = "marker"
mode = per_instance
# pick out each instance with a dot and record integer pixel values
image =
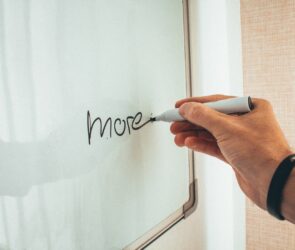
(226, 106)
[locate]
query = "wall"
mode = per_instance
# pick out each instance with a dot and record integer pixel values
(269, 66)
(218, 222)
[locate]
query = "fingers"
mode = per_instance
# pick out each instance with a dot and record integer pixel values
(201, 134)
(180, 138)
(204, 146)
(201, 115)
(177, 127)
(202, 99)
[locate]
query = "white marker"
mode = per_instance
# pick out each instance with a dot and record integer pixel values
(227, 106)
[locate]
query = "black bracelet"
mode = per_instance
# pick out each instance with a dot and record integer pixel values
(277, 184)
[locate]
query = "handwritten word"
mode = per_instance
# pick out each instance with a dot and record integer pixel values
(118, 125)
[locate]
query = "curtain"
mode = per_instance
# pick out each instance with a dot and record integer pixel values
(268, 38)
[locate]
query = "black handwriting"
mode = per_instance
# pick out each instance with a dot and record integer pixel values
(119, 125)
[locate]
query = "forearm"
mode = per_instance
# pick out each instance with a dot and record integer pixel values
(288, 202)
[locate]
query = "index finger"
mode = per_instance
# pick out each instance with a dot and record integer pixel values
(202, 99)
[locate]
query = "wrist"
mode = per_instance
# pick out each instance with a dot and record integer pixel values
(280, 201)
(288, 198)
(267, 175)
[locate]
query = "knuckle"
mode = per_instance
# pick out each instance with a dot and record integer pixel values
(219, 96)
(264, 103)
(172, 127)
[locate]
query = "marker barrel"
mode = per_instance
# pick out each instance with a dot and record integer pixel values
(226, 106)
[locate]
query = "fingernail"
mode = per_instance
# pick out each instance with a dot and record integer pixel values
(184, 108)
(187, 141)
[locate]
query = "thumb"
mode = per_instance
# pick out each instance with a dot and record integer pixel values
(208, 118)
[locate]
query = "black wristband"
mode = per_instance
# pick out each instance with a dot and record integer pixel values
(277, 184)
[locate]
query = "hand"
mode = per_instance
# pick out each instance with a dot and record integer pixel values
(253, 143)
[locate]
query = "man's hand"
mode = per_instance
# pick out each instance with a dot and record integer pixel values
(253, 143)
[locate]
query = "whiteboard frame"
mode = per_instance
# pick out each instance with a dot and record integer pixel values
(191, 204)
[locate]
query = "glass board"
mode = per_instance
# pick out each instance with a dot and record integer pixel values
(78, 80)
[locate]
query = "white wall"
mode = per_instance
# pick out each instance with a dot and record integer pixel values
(217, 68)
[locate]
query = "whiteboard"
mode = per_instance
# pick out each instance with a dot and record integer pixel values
(78, 80)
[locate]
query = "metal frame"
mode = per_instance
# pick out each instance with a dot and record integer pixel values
(190, 206)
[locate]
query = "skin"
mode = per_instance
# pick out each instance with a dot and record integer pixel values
(253, 144)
